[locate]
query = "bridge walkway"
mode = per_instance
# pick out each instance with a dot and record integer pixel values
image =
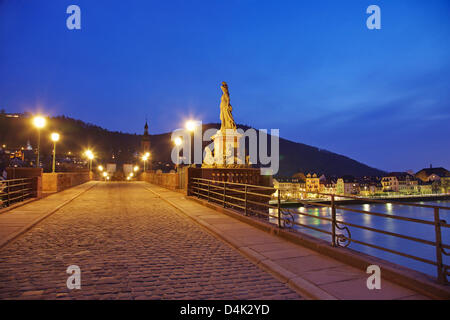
(134, 240)
(310, 273)
(128, 244)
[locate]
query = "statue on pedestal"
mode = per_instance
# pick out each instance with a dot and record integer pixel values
(227, 153)
(226, 116)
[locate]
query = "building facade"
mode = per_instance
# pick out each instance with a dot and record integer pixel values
(289, 188)
(437, 178)
(312, 183)
(347, 185)
(328, 185)
(401, 182)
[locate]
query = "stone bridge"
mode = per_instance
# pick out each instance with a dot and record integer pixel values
(136, 240)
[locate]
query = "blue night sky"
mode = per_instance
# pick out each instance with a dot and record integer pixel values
(310, 68)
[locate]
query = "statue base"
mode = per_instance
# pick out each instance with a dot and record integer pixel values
(227, 151)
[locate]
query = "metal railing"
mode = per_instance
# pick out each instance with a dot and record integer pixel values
(15, 190)
(254, 200)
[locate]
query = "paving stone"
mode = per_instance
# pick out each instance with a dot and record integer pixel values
(129, 244)
(357, 289)
(330, 275)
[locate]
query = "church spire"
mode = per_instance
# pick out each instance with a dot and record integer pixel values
(146, 127)
(145, 141)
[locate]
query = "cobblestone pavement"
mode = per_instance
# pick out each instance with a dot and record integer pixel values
(129, 244)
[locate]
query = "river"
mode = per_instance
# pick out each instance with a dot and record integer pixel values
(402, 227)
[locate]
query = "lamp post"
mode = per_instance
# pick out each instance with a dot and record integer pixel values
(39, 123)
(104, 173)
(145, 158)
(190, 126)
(55, 138)
(90, 156)
(178, 141)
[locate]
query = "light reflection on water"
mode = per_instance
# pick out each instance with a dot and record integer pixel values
(402, 227)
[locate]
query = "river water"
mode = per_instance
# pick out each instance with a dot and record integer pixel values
(402, 227)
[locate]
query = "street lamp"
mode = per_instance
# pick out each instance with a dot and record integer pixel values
(100, 168)
(178, 141)
(136, 168)
(90, 156)
(191, 125)
(39, 123)
(55, 138)
(145, 158)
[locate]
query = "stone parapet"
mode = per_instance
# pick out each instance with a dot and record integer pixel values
(167, 180)
(55, 182)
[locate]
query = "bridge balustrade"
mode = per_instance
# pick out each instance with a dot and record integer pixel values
(15, 190)
(254, 200)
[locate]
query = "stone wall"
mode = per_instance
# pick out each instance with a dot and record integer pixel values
(55, 182)
(166, 180)
(237, 175)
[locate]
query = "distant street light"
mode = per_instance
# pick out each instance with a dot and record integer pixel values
(100, 168)
(39, 123)
(55, 138)
(145, 158)
(178, 141)
(130, 176)
(136, 168)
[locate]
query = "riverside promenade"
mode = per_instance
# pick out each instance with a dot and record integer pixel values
(134, 240)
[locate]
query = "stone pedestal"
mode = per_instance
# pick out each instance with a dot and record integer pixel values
(227, 151)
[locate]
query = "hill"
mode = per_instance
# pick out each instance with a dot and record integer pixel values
(77, 136)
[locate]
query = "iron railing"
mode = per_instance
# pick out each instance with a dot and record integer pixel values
(254, 200)
(15, 190)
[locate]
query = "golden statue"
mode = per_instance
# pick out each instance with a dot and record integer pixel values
(225, 110)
